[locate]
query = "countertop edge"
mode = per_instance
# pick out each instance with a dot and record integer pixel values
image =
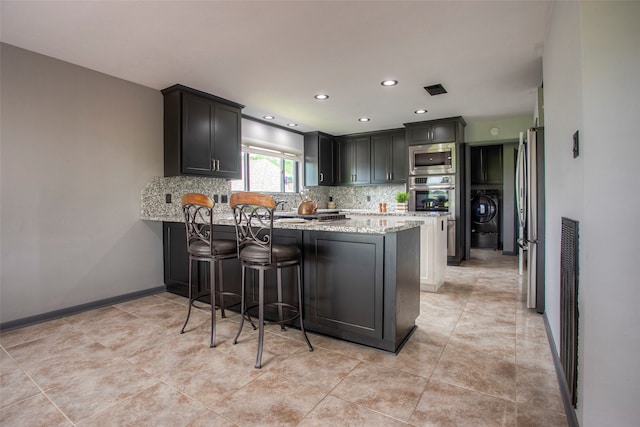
(364, 224)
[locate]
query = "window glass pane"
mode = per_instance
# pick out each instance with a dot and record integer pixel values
(290, 176)
(269, 174)
(265, 173)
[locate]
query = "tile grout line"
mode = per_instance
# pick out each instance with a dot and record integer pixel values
(42, 392)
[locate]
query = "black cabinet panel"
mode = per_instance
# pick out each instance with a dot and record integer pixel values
(345, 282)
(176, 258)
(380, 158)
(196, 139)
(371, 158)
(388, 157)
(226, 141)
(361, 287)
(443, 132)
(319, 159)
(345, 162)
(354, 160)
(486, 164)
(432, 132)
(399, 157)
(201, 134)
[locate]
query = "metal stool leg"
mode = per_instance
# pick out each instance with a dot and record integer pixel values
(280, 317)
(242, 305)
(260, 318)
(304, 333)
(221, 288)
(212, 272)
(190, 298)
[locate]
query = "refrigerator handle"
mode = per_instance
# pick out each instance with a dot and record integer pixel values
(521, 185)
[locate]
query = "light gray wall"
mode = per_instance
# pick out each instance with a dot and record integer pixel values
(77, 147)
(478, 132)
(591, 80)
(263, 135)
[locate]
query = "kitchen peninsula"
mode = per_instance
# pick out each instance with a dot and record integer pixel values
(361, 275)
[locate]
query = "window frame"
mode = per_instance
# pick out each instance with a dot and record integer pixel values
(282, 156)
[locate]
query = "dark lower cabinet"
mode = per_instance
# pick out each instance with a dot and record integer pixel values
(176, 268)
(362, 288)
(345, 283)
(176, 258)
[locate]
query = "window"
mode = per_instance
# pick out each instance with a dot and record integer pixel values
(267, 171)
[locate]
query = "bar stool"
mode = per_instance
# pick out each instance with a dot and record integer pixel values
(253, 217)
(202, 247)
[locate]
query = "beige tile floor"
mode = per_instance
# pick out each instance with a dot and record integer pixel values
(477, 358)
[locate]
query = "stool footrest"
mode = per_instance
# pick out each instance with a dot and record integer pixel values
(292, 308)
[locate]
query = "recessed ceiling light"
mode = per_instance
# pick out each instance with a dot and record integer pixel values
(389, 82)
(364, 119)
(321, 96)
(420, 111)
(268, 117)
(292, 125)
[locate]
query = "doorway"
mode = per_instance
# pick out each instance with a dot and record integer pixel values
(491, 221)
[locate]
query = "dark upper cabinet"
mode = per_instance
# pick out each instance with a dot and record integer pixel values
(486, 164)
(388, 157)
(432, 132)
(201, 134)
(354, 160)
(319, 159)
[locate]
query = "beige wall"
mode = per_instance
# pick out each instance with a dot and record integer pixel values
(77, 147)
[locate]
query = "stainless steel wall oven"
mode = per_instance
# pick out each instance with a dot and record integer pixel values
(436, 193)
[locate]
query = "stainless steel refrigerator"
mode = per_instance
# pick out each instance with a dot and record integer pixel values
(530, 207)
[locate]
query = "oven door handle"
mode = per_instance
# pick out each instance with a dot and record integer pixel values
(433, 187)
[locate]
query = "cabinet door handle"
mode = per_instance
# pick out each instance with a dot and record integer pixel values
(217, 165)
(321, 177)
(212, 166)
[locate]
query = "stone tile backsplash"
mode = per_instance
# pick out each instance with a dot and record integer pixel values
(154, 205)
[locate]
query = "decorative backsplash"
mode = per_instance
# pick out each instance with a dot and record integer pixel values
(154, 204)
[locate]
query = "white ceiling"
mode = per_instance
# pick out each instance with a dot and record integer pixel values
(274, 56)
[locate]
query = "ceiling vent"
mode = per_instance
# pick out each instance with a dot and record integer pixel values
(435, 89)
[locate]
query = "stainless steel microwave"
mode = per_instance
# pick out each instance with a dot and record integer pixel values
(432, 159)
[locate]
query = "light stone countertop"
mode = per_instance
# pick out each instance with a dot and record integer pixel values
(356, 223)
